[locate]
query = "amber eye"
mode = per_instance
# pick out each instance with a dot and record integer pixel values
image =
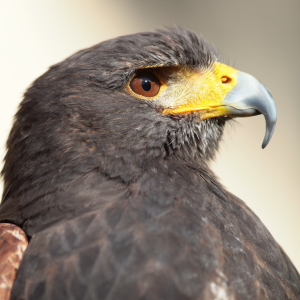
(145, 84)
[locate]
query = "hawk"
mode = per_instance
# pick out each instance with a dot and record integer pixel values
(107, 172)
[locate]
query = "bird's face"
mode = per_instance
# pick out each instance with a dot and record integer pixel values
(195, 87)
(189, 94)
(182, 90)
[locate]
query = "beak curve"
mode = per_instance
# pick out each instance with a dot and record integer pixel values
(248, 98)
(225, 91)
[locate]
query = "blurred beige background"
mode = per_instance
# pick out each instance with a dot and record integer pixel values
(261, 37)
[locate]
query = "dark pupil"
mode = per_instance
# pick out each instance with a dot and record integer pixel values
(146, 85)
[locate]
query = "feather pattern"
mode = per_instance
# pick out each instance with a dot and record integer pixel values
(118, 200)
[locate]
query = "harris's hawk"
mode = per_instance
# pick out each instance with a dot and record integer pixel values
(107, 172)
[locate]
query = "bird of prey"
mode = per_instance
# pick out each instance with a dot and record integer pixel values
(107, 172)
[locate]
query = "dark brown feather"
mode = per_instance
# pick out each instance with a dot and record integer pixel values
(118, 199)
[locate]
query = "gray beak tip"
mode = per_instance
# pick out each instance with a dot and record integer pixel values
(270, 127)
(250, 98)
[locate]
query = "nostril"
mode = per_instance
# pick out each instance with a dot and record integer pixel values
(226, 79)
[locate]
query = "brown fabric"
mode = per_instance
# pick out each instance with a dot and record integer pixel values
(13, 243)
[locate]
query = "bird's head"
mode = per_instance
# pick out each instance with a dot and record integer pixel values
(126, 102)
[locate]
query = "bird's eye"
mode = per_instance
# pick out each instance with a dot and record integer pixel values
(145, 84)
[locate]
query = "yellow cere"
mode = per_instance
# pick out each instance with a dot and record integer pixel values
(203, 92)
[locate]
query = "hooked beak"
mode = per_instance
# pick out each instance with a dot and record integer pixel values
(224, 91)
(249, 98)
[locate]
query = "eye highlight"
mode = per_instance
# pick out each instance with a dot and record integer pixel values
(145, 84)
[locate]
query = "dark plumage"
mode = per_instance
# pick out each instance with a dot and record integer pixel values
(118, 199)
